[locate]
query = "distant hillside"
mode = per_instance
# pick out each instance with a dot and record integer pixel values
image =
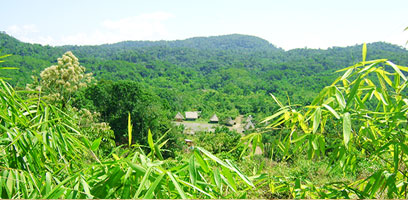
(232, 72)
(226, 42)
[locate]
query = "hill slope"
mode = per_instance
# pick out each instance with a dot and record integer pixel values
(232, 73)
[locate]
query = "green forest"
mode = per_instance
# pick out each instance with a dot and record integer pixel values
(98, 121)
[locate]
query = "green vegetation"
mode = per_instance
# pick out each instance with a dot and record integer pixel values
(65, 135)
(227, 75)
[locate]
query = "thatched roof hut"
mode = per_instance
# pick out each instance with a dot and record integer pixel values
(179, 117)
(214, 119)
(191, 115)
(249, 118)
(229, 121)
(249, 125)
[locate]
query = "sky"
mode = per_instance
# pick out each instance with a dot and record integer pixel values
(287, 24)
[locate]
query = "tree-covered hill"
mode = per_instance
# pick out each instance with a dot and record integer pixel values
(228, 74)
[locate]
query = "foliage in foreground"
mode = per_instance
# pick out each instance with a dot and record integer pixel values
(44, 154)
(361, 116)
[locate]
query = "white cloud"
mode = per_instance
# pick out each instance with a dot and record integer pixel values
(150, 26)
(22, 30)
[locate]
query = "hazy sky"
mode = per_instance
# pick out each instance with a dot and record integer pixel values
(286, 23)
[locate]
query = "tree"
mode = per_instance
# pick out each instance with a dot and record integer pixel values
(114, 100)
(59, 82)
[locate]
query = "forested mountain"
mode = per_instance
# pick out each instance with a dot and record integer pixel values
(70, 134)
(228, 74)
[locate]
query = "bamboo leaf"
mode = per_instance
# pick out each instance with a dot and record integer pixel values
(346, 128)
(150, 140)
(86, 188)
(217, 179)
(192, 170)
(178, 188)
(353, 91)
(196, 188)
(47, 183)
(277, 101)
(214, 158)
(201, 161)
(395, 67)
(96, 143)
(364, 52)
(274, 115)
(347, 74)
(129, 130)
(340, 99)
(143, 183)
(396, 158)
(316, 119)
(240, 174)
(332, 111)
(149, 193)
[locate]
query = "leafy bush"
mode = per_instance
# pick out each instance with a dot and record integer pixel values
(221, 142)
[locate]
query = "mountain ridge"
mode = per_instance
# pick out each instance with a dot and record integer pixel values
(241, 41)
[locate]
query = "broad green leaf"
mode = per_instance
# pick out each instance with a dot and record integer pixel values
(277, 101)
(353, 91)
(228, 179)
(332, 111)
(10, 184)
(403, 68)
(96, 143)
(8, 67)
(196, 188)
(275, 115)
(48, 183)
(57, 191)
(395, 67)
(192, 170)
(217, 179)
(136, 167)
(346, 128)
(149, 193)
(201, 161)
(143, 184)
(347, 74)
(157, 152)
(213, 157)
(178, 188)
(129, 130)
(396, 157)
(300, 138)
(340, 99)
(86, 188)
(234, 168)
(316, 119)
(150, 140)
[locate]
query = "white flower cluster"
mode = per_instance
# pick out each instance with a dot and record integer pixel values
(64, 78)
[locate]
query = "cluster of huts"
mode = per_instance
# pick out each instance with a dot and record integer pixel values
(192, 116)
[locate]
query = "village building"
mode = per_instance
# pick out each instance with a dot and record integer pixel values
(249, 118)
(191, 115)
(214, 119)
(229, 122)
(249, 125)
(179, 117)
